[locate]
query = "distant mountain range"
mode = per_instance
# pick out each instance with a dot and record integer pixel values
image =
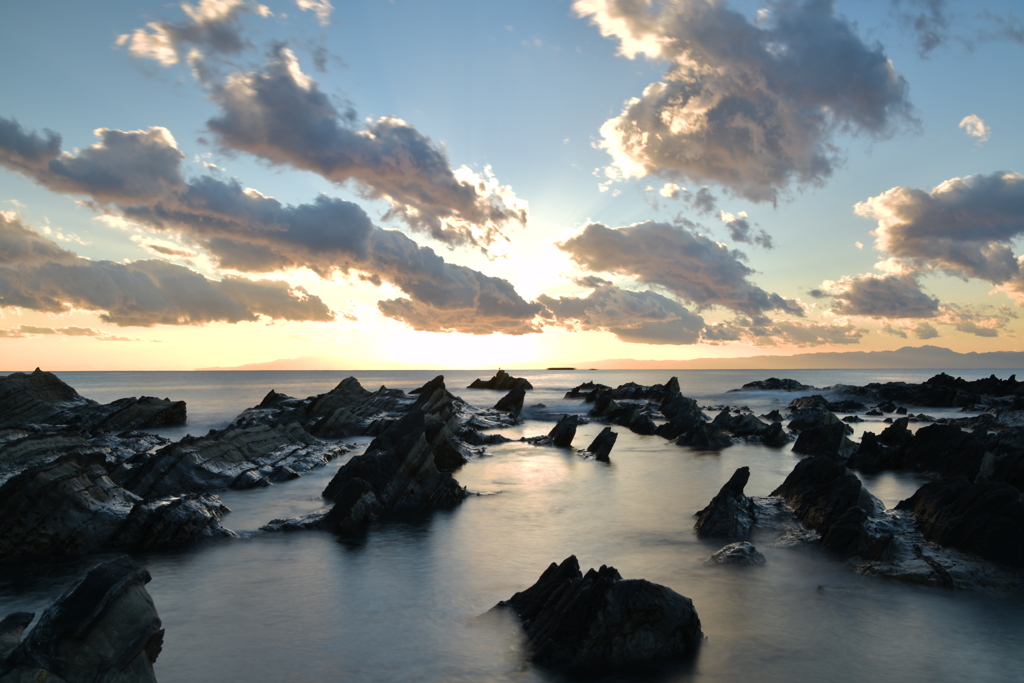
(908, 357)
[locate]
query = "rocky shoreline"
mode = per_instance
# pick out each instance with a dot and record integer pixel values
(78, 477)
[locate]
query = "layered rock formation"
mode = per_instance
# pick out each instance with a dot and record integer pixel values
(502, 381)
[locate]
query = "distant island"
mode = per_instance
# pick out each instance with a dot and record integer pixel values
(908, 357)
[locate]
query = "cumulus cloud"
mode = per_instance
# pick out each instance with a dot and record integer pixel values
(691, 266)
(638, 317)
(740, 230)
(975, 126)
(279, 114)
(925, 331)
(124, 166)
(964, 226)
(321, 8)
(751, 106)
(211, 26)
(141, 293)
(247, 231)
(881, 296)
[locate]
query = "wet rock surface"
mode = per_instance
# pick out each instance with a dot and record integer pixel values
(587, 623)
(742, 553)
(105, 629)
(41, 398)
(730, 514)
(601, 446)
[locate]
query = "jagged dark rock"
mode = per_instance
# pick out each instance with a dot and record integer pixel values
(730, 514)
(897, 434)
(806, 418)
(512, 402)
(683, 414)
(705, 437)
(502, 381)
(11, 628)
(774, 416)
(399, 472)
(743, 424)
(587, 391)
(945, 450)
(71, 506)
(827, 439)
(985, 518)
(774, 384)
(475, 438)
(634, 418)
(236, 457)
(775, 436)
(348, 409)
(742, 553)
(820, 490)
(602, 444)
(586, 624)
(42, 398)
(105, 629)
(562, 434)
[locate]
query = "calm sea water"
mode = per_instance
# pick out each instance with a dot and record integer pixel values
(405, 603)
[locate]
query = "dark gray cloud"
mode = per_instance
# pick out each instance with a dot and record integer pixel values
(142, 293)
(885, 296)
(929, 20)
(935, 24)
(124, 166)
(752, 107)
(894, 331)
(691, 266)
(965, 226)
(741, 230)
(249, 232)
(638, 317)
(280, 115)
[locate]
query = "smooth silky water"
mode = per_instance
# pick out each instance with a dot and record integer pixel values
(407, 602)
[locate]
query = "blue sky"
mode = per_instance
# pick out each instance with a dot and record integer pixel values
(474, 183)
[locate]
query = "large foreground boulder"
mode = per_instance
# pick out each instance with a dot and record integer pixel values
(586, 624)
(730, 514)
(820, 490)
(105, 629)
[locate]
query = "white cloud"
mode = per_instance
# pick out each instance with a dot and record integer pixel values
(975, 127)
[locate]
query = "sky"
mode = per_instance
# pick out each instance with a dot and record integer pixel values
(468, 184)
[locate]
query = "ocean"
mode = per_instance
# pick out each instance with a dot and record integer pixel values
(408, 601)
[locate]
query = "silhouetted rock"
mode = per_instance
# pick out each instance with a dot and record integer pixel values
(820, 490)
(602, 444)
(774, 384)
(897, 434)
(587, 391)
(806, 418)
(475, 438)
(730, 514)
(562, 434)
(985, 518)
(512, 402)
(502, 381)
(348, 409)
(104, 629)
(828, 439)
(705, 437)
(775, 436)
(682, 413)
(945, 450)
(743, 424)
(586, 624)
(742, 553)
(11, 628)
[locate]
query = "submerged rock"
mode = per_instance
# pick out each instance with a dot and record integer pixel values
(585, 624)
(743, 553)
(730, 514)
(105, 629)
(601, 446)
(502, 381)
